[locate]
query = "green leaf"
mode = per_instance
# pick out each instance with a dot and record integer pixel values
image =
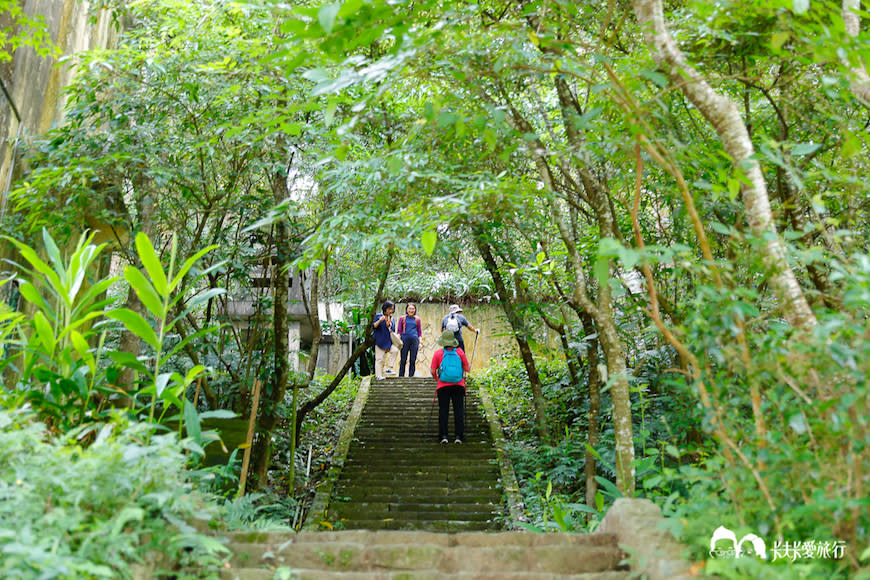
(188, 264)
(191, 422)
(656, 77)
(203, 297)
(609, 487)
(83, 349)
(182, 343)
(602, 270)
(798, 423)
(192, 374)
(128, 514)
(85, 303)
(805, 148)
(428, 240)
(135, 324)
(53, 252)
(33, 296)
(218, 414)
(30, 255)
(395, 164)
(581, 507)
(326, 16)
(152, 263)
(317, 75)
(161, 382)
(329, 114)
(145, 291)
(733, 189)
(778, 39)
(44, 332)
(128, 360)
(643, 464)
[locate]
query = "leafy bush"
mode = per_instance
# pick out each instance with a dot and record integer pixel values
(71, 511)
(551, 477)
(56, 357)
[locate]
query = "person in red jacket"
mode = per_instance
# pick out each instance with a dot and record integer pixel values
(449, 366)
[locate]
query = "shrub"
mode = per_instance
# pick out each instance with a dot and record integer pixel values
(72, 511)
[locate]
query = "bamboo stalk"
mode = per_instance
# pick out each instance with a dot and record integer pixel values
(249, 440)
(196, 394)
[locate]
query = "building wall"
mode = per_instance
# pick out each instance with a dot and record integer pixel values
(36, 84)
(495, 338)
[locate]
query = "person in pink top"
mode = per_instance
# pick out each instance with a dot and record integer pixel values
(449, 366)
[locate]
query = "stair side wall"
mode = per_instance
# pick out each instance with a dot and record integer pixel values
(320, 505)
(651, 549)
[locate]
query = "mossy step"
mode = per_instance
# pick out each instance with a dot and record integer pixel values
(508, 538)
(435, 471)
(434, 455)
(458, 495)
(419, 477)
(340, 556)
(413, 449)
(447, 526)
(370, 496)
(411, 509)
(411, 506)
(413, 436)
(466, 486)
(363, 496)
(264, 574)
(356, 515)
(423, 464)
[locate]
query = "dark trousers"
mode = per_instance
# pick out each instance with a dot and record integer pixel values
(456, 394)
(409, 346)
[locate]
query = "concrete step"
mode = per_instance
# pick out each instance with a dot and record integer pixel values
(296, 574)
(423, 551)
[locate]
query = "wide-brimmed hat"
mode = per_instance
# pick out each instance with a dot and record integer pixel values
(448, 339)
(454, 308)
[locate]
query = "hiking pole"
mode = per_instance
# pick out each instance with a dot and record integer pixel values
(473, 349)
(471, 362)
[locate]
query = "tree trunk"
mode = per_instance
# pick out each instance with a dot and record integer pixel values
(269, 409)
(368, 342)
(725, 118)
(619, 395)
(129, 342)
(312, 306)
(860, 81)
(594, 410)
(519, 330)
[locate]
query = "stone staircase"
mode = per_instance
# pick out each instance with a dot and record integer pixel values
(398, 476)
(403, 505)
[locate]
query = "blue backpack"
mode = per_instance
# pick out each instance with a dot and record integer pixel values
(450, 370)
